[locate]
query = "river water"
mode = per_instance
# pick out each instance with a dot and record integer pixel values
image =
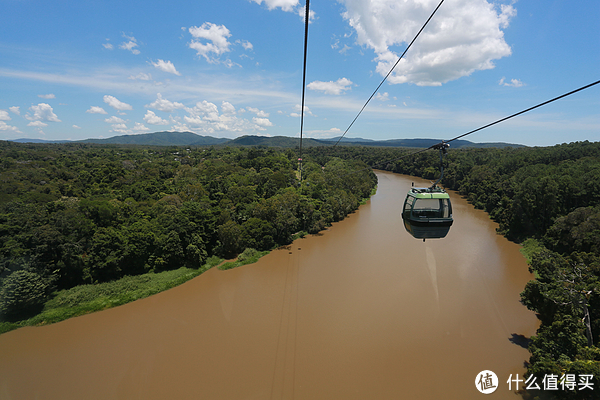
(361, 311)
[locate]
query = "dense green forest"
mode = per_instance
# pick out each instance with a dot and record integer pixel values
(73, 214)
(550, 196)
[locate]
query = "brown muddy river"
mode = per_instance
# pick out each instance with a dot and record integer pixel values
(363, 311)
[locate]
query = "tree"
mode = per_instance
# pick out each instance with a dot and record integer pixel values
(22, 295)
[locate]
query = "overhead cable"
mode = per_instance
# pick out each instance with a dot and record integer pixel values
(444, 142)
(389, 73)
(306, 19)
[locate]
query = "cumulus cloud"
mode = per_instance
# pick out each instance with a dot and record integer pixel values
(116, 104)
(285, 5)
(37, 124)
(154, 119)
(130, 45)
(15, 110)
(4, 116)
(166, 66)
(165, 105)
(206, 118)
(140, 128)
(42, 112)
(5, 127)
(227, 108)
(108, 46)
(331, 87)
(382, 96)
(46, 96)
(216, 40)
(76, 127)
(263, 122)
(114, 120)
(120, 128)
(464, 36)
(96, 110)
(259, 113)
(512, 83)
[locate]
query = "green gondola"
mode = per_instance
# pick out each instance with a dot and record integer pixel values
(427, 213)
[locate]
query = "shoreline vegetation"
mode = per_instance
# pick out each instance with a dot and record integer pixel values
(87, 299)
(548, 200)
(85, 227)
(74, 215)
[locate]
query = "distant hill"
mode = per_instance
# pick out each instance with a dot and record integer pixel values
(419, 143)
(275, 141)
(192, 139)
(25, 140)
(161, 139)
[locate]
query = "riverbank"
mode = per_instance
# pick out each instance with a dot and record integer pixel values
(86, 299)
(362, 310)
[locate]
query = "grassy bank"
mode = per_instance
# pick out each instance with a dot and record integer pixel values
(85, 299)
(249, 256)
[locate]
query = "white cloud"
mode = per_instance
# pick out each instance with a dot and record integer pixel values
(47, 96)
(4, 116)
(96, 110)
(15, 110)
(205, 118)
(130, 45)
(206, 109)
(116, 104)
(108, 46)
(166, 66)
(245, 44)
(141, 76)
(165, 105)
(76, 127)
(154, 119)
(382, 96)
(140, 127)
(227, 108)
(120, 128)
(285, 5)
(42, 112)
(37, 124)
(512, 83)
(259, 113)
(302, 13)
(114, 120)
(216, 35)
(179, 127)
(5, 127)
(262, 122)
(464, 36)
(331, 87)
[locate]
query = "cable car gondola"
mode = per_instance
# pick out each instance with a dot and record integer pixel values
(427, 212)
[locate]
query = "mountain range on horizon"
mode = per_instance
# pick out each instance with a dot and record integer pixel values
(166, 138)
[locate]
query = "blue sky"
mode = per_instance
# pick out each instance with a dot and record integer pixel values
(83, 69)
